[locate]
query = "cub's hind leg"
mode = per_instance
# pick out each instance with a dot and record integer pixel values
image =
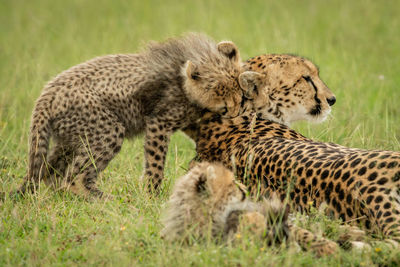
(97, 149)
(60, 157)
(53, 169)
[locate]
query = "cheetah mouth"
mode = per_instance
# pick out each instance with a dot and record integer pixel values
(316, 110)
(317, 114)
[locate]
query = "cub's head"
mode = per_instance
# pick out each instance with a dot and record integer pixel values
(201, 202)
(287, 88)
(212, 81)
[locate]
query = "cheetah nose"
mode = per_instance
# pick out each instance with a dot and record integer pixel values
(331, 101)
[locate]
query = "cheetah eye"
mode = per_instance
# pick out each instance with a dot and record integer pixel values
(195, 76)
(311, 82)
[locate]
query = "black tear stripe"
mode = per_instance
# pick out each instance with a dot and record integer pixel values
(317, 109)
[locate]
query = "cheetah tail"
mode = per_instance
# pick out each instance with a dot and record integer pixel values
(38, 146)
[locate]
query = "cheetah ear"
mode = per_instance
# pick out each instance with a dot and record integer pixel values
(250, 82)
(201, 186)
(192, 71)
(230, 50)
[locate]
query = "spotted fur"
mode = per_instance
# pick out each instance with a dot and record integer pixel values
(208, 201)
(282, 88)
(289, 89)
(89, 109)
(359, 186)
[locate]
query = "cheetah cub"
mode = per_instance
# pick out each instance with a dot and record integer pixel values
(208, 201)
(90, 108)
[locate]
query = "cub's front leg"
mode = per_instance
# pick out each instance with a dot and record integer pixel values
(158, 133)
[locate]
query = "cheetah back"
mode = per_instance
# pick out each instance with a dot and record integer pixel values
(358, 185)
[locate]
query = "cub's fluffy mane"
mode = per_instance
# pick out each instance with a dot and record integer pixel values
(195, 47)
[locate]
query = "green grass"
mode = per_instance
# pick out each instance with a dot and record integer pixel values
(355, 43)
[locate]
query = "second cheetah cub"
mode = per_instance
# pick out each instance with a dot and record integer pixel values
(207, 201)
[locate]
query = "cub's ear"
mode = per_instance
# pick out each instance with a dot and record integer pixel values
(230, 50)
(250, 82)
(192, 71)
(201, 184)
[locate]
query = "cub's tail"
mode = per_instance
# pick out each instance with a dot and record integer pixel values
(39, 138)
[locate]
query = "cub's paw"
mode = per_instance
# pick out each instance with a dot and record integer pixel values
(324, 247)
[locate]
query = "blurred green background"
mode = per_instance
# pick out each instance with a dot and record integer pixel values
(355, 43)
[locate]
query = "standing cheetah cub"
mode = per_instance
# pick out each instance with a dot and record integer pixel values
(89, 109)
(208, 201)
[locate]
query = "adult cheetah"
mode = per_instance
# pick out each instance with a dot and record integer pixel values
(359, 186)
(89, 109)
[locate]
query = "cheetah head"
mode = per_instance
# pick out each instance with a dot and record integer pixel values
(212, 82)
(287, 88)
(201, 201)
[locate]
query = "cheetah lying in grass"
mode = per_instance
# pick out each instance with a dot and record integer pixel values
(358, 186)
